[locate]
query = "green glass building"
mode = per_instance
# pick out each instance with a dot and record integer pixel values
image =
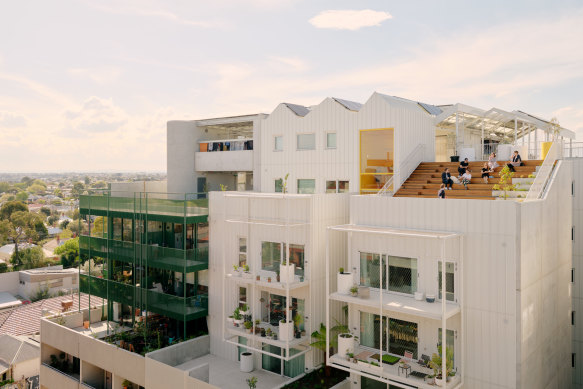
(147, 250)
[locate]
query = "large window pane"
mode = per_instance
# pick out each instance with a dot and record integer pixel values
(449, 340)
(403, 275)
(370, 270)
(307, 186)
(306, 141)
(270, 256)
(279, 185)
(297, 258)
(343, 187)
(403, 337)
(449, 278)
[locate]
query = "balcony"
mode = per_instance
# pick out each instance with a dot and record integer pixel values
(53, 378)
(189, 206)
(165, 258)
(394, 302)
(176, 307)
(256, 335)
(224, 161)
(266, 279)
(390, 371)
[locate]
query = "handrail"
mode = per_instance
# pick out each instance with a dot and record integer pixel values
(410, 163)
(544, 173)
(385, 189)
(60, 372)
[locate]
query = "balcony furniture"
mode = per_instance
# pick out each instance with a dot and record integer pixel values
(424, 361)
(344, 282)
(408, 355)
(405, 368)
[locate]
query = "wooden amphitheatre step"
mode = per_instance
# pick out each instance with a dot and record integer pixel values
(425, 180)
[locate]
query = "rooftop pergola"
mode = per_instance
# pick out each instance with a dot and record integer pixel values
(495, 124)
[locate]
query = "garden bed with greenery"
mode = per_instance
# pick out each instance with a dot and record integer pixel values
(317, 379)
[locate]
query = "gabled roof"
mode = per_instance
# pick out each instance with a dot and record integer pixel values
(299, 110)
(350, 105)
(428, 108)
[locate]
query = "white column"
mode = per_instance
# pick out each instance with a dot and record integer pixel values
(482, 152)
(327, 351)
(456, 132)
(515, 131)
(443, 316)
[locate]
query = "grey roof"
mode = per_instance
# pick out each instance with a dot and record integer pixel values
(14, 350)
(350, 105)
(432, 109)
(299, 110)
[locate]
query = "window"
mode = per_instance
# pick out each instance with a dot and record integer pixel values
(307, 186)
(279, 185)
(242, 252)
(242, 296)
(573, 318)
(398, 336)
(306, 141)
(331, 140)
(278, 143)
(336, 186)
(270, 256)
(449, 341)
(449, 278)
(399, 273)
(572, 275)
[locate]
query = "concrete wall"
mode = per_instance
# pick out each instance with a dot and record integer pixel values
(9, 282)
(577, 284)
(53, 379)
(226, 161)
(181, 143)
(26, 369)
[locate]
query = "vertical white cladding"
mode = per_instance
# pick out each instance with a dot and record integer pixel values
(262, 217)
(411, 123)
(577, 285)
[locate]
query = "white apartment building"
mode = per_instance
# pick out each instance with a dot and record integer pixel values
(352, 178)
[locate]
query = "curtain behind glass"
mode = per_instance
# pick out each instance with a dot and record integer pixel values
(294, 367)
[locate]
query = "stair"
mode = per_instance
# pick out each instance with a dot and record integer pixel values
(425, 180)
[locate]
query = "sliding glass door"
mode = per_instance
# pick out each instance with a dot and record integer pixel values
(398, 336)
(399, 274)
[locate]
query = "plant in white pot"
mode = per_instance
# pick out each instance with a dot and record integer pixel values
(436, 365)
(345, 344)
(237, 317)
(244, 310)
(354, 290)
(344, 281)
(286, 330)
(236, 272)
(246, 272)
(287, 272)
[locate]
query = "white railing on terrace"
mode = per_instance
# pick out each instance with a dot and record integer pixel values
(545, 172)
(410, 163)
(386, 189)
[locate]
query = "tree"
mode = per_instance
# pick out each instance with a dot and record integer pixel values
(21, 196)
(36, 189)
(77, 189)
(100, 184)
(69, 252)
(23, 224)
(3, 267)
(46, 211)
(87, 180)
(30, 258)
(4, 186)
(25, 180)
(52, 220)
(505, 183)
(64, 224)
(12, 206)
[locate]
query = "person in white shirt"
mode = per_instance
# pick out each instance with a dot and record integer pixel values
(467, 178)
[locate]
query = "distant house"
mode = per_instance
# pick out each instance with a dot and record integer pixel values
(7, 250)
(19, 358)
(53, 231)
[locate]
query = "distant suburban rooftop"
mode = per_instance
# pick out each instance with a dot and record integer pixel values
(14, 350)
(25, 320)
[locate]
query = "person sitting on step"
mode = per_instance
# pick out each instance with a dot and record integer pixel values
(466, 178)
(446, 179)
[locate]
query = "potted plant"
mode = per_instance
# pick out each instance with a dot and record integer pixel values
(350, 357)
(258, 277)
(248, 326)
(354, 290)
(436, 365)
(345, 343)
(257, 322)
(344, 281)
(298, 320)
(269, 333)
(237, 317)
(246, 272)
(126, 384)
(268, 279)
(230, 319)
(286, 330)
(287, 272)
(244, 310)
(263, 332)
(236, 271)
(252, 382)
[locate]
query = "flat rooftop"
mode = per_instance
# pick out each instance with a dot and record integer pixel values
(225, 374)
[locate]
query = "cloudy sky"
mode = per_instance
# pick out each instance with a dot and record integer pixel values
(89, 85)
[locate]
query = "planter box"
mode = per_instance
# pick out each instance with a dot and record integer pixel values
(364, 292)
(344, 281)
(287, 273)
(513, 194)
(239, 322)
(345, 344)
(286, 331)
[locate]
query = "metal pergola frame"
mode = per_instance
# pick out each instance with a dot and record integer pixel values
(442, 237)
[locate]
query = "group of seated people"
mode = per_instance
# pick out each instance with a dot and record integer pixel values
(465, 174)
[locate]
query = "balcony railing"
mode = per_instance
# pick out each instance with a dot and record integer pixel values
(177, 307)
(155, 256)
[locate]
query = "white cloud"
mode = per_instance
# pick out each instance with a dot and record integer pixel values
(12, 120)
(99, 75)
(349, 19)
(96, 116)
(287, 64)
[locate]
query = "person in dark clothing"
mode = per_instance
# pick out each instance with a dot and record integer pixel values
(446, 179)
(441, 193)
(486, 172)
(516, 161)
(462, 168)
